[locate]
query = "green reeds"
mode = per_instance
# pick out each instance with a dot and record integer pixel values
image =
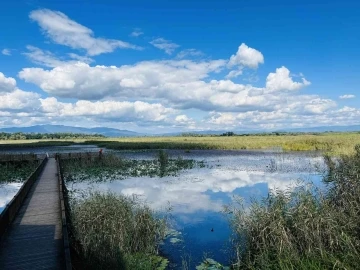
(303, 228)
(117, 232)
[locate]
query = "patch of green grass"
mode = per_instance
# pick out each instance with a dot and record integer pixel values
(303, 228)
(117, 232)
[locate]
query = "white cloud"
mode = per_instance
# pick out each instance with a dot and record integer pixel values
(185, 121)
(189, 53)
(48, 59)
(41, 57)
(247, 57)
(80, 58)
(6, 52)
(116, 111)
(347, 96)
(234, 73)
(165, 45)
(281, 81)
(19, 100)
(136, 33)
(142, 80)
(62, 30)
(7, 84)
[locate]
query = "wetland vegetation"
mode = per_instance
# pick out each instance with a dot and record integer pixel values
(16, 171)
(108, 167)
(333, 143)
(116, 232)
(304, 228)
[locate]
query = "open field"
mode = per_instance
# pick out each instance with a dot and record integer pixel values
(333, 143)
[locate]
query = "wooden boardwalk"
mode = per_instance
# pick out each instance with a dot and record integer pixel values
(34, 240)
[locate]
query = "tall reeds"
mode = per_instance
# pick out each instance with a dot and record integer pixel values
(117, 232)
(305, 228)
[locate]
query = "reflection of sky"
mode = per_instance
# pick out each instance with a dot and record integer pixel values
(7, 192)
(197, 196)
(198, 189)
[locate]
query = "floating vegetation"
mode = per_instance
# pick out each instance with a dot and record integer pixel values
(304, 228)
(17, 171)
(111, 167)
(117, 232)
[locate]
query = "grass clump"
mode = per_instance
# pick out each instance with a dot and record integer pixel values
(117, 232)
(304, 228)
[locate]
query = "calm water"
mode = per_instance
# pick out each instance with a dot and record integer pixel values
(197, 196)
(7, 192)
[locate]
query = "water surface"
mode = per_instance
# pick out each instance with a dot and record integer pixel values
(197, 196)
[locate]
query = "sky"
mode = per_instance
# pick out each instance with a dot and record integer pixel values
(169, 66)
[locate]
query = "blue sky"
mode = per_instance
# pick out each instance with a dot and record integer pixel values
(159, 66)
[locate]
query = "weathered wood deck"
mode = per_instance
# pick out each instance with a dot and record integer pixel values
(34, 240)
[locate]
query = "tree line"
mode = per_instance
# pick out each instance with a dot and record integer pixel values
(39, 136)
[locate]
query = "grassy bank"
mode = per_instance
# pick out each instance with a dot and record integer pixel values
(116, 232)
(304, 228)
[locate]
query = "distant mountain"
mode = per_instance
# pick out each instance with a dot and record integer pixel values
(108, 132)
(112, 132)
(309, 129)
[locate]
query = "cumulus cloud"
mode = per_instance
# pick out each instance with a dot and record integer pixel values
(246, 56)
(347, 96)
(62, 30)
(168, 88)
(166, 45)
(145, 79)
(19, 100)
(282, 81)
(7, 84)
(6, 52)
(119, 111)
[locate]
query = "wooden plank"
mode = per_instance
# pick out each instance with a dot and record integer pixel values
(34, 240)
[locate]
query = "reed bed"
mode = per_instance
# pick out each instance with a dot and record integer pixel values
(305, 228)
(117, 232)
(332, 143)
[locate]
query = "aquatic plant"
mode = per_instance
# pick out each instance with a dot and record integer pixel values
(16, 171)
(303, 228)
(110, 167)
(117, 232)
(163, 159)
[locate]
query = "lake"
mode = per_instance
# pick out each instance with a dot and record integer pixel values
(196, 197)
